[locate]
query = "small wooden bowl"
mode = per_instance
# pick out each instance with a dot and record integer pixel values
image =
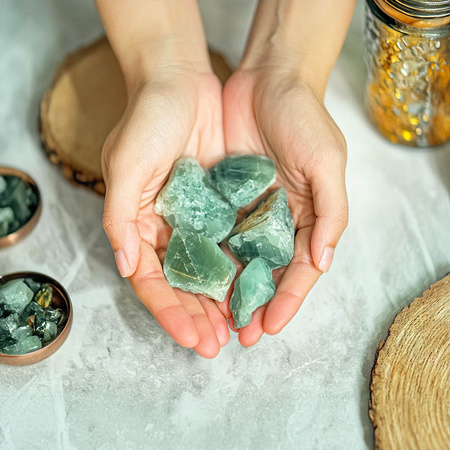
(62, 301)
(25, 229)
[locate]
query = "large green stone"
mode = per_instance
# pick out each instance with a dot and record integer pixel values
(267, 232)
(253, 288)
(195, 263)
(242, 178)
(187, 201)
(26, 345)
(15, 295)
(6, 220)
(21, 333)
(8, 325)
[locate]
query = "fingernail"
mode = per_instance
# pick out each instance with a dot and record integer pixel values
(326, 259)
(122, 263)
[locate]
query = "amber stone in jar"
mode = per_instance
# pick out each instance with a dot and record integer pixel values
(407, 90)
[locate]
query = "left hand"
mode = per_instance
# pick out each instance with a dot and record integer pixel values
(270, 111)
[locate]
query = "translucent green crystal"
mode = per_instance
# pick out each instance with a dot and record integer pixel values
(21, 332)
(18, 202)
(8, 325)
(253, 288)
(242, 178)
(44, 295)
(33, 285)
(50, 331)
(3, 184)
(267, 232)
(15, 295)
(26, 345)
(187, 201)
(195, 263)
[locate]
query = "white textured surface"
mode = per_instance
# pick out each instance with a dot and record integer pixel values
(119, 381)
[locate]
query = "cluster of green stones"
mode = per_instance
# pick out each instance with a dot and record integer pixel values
(18, 202)
(202, 209)
(27, 320)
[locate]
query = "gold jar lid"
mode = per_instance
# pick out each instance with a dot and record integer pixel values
(422, 14)
(28, 226)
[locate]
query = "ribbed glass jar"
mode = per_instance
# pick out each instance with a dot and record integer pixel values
(407, 55)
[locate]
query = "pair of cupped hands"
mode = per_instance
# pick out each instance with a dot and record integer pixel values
(182, 110)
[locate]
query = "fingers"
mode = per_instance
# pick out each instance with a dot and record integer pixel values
(217, 319)
(208, 344)
(120, 221)
(299, 278)
(252, 333)
(161, 300)
(331, 209)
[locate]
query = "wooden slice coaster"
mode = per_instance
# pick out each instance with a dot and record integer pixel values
(410, 386)
(86, 99)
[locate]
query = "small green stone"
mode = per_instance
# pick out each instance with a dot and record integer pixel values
(33, 285)
(253, 288)
(53, 315)
(187, 201)
(6, 220)
(242, 178)
(33, 309)
(8, 325)
(50, 331)
(195, 263)
(3, 184)
(22, 332)
(15, 295)
(44, 296)
(267, 232)
(26, 345)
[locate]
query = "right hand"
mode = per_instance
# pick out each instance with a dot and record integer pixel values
(176, 112)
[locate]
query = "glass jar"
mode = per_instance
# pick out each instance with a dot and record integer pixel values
(407, 55)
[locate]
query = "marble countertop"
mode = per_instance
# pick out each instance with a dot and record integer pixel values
(119, 380)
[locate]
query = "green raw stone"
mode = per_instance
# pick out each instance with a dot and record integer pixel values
(253, 288)
(53, 315)
(15, 295)
(50, 331)
(6, 342)
(267, 232)
(44, 296)
(8, 325)
(26, 345)
(33, 285)
(195, 263)
(3, 184)
(6, 220)
(33, 309)
(187, 201)
(242, 178)
(22, 332)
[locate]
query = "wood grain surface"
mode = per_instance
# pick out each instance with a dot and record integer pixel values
(410, 386)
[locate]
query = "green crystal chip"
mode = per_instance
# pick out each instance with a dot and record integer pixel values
(253, 288)
(195, 263)
(267, 232)
(15, 295)
(26, 345)
(242, 178)
(8, 325)
(187, 201)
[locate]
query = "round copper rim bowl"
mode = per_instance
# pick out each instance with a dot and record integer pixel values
(62, 301)
(25, 229)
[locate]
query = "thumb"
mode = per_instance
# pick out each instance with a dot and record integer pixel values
(120, 221)
(331, 209)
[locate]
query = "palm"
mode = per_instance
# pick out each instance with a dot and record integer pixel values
(274, 119)
(185, 119)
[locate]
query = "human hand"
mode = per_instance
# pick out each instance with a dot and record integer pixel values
(175, 113)
(270, 111)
